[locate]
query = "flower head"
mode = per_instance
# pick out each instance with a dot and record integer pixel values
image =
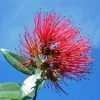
(55, 47)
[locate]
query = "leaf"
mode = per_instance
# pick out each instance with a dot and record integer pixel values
(31, 85)
(9, 91)
(14, 59)
(40, 85)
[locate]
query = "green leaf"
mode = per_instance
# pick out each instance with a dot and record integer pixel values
(14, 59)
(40, 85)
(9, 91)
(32, 85)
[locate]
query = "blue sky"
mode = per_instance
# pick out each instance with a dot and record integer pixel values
(84, 13)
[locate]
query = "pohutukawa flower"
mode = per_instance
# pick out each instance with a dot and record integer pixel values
(55, 47)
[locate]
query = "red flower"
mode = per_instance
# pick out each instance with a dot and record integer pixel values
(55, 46)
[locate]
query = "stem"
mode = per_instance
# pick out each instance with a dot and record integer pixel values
(34, 98)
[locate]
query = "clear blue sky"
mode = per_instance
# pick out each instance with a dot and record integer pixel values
(84, 13)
